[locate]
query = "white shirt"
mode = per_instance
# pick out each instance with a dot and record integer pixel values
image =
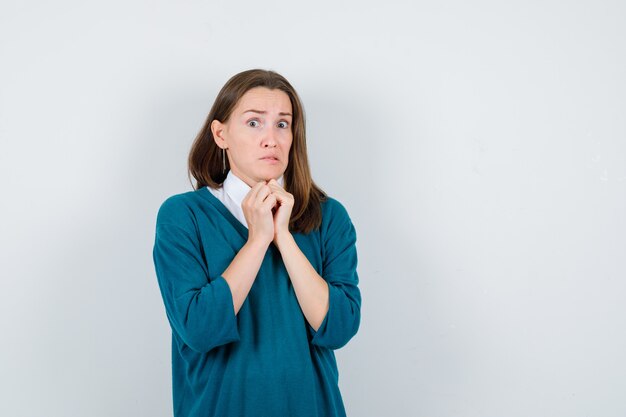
(232, 193)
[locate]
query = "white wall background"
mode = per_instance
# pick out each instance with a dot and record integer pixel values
(480, 148)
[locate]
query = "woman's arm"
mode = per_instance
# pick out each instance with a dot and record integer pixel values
(310, 288)
(199, 309)
(243, 269)
(339, 271)
(330, 303)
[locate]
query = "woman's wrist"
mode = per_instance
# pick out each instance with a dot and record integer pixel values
(283, 237)
(258, 244)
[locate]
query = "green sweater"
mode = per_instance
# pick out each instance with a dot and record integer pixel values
(266, 360)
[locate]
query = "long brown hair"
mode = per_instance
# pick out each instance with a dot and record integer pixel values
(205, 159)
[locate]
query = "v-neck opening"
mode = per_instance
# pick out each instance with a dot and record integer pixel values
(243, 230)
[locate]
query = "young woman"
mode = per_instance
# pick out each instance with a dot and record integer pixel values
(257, 265)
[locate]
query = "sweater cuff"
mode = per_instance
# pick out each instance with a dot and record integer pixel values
(320, 337)
(229, 329)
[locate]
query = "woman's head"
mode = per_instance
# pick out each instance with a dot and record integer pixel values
(248, 136)
(257, 135)
(276, 127)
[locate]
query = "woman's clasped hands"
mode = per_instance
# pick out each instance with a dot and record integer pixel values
(267, 208)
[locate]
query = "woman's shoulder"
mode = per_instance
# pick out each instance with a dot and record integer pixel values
(334, 211)
(179, 208)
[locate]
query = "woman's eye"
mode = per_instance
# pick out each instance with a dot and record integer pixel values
(253, 123)
(283, 125)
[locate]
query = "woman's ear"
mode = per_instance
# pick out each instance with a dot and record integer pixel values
(217, 128)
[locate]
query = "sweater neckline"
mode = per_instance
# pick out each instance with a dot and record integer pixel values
(243, 230)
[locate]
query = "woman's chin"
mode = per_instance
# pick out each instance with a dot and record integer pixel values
(273, 173)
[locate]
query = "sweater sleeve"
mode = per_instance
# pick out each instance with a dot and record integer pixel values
(342, 320)
(200, 310)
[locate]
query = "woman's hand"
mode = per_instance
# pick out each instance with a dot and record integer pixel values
(282, 213)
(257, 208)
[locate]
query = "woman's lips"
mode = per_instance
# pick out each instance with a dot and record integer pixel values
(270, 160)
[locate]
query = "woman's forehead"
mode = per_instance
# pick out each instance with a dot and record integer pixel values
(265, 100)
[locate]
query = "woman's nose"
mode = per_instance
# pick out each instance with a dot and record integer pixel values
(270, 137)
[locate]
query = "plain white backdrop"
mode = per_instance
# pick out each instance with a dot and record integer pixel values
(479, 147)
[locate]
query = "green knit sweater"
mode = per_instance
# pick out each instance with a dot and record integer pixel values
(266, 360)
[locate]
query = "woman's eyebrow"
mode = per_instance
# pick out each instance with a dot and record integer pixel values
(264, 112)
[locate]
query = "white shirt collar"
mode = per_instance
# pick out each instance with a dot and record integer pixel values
(237, 189)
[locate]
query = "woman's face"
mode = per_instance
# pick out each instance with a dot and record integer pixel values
(259, 126)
